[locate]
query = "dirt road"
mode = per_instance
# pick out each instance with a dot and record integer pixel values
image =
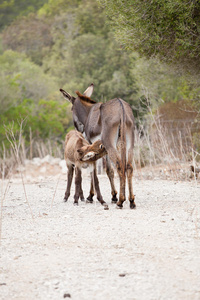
(87, 252)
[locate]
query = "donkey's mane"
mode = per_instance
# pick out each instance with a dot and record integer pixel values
(85, 98)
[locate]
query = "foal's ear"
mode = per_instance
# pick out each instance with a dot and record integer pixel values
(88, 92)
(67, 96)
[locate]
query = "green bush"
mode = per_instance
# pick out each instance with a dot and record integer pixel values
(50, 119)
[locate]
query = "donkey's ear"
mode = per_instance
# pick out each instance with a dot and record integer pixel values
(67, 96)
(88, 92)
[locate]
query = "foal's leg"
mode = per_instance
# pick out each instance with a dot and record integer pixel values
(78, 181)
(69, 181)
(96, 184)
(81, 194)
(91, 195)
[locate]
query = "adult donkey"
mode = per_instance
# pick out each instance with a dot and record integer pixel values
(113, 123)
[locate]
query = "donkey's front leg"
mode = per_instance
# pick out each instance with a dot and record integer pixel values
(78, 181)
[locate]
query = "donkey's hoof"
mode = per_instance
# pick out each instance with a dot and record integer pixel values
(119, 205)
(114, 199)
(89, 200)
(132, 204)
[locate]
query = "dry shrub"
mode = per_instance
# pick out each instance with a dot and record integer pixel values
(169, 138)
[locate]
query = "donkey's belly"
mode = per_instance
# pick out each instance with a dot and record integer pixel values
(95, 138)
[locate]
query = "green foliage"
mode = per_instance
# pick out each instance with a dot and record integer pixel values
(68, 44)
(11, 9)
(20, 78)
(168, 28)
(161, 83)
(90, 18)
(30, 35)
(84, 51)
(49, 120)
(52, 119)
(56, 7)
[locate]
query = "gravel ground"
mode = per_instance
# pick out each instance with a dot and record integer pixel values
(86, 252)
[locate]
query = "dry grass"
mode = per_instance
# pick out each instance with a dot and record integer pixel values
(169, 144)
(18, 149)
(156, 146)
(157, 143)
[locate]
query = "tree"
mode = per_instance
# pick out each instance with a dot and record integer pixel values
(20, 78)
(11, 9)
(30, 35)
(56, 7)
(169, 29)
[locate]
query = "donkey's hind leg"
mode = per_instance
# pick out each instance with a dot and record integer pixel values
(110, 143)
(129, 168)
(110, 174)
(114, 156)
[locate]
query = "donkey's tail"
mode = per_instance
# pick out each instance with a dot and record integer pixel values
(123, 136)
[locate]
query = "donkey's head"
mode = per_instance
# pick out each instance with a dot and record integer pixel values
(80, 106)
(92, 152)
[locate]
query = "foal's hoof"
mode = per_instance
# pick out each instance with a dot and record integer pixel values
(75, 203)
(83, 199)
(132, 204)
(65, 199)
(106, 206)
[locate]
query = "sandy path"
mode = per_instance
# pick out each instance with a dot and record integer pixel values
(86, 252)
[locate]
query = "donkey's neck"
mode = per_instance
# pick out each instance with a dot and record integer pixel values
(81, 112)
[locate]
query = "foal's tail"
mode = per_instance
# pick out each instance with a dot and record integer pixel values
(123, 137)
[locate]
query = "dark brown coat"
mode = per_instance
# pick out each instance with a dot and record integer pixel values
(113, 123)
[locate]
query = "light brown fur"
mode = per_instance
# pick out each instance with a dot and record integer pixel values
(77, 153)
